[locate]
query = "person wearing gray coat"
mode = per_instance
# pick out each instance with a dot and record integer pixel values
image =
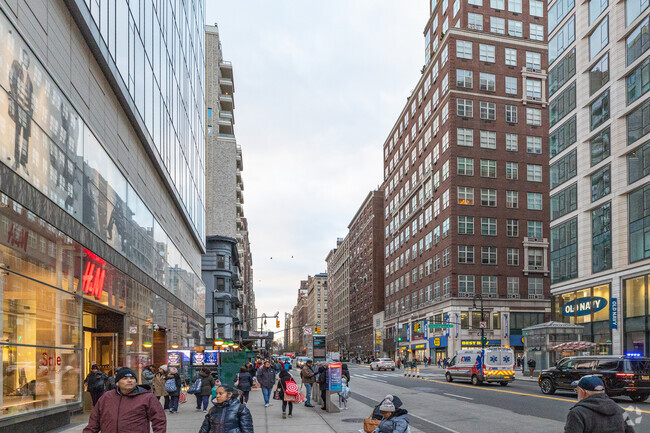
(147, 376)
(266, 378)
(394, 420)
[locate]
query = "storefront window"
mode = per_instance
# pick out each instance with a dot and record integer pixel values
(635, 296)
(464, 320)
(603, 313)
(581, 297)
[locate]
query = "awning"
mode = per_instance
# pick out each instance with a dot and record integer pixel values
(573, 345)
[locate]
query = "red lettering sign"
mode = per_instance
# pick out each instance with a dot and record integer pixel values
(17, 237)
(50, 361)
(93, 277)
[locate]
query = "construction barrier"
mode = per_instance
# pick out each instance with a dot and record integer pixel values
(417, 372)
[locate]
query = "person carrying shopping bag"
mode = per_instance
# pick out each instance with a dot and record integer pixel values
(288, 392)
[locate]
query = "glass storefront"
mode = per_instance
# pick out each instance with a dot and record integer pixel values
(636, 309)
(589, 308)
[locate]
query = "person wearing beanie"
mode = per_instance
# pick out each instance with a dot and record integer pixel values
(394, 420)
(172, 374)
(128, 407)
(96, 383)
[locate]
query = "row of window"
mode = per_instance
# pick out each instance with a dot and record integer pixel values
(424, 244)
(487, 82)
(488, 197)
(488, 111)
(488, 168)
(487, 53)
(535, 7)
(488, 140)
(498, 26)
(534, 229)
(535, 259)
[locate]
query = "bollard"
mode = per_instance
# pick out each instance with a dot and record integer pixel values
(417, 373)
(405, 371)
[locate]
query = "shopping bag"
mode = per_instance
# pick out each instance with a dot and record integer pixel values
(291, 388)
(276, 395)
(182, 397)
(300, 398)
(290, 398)
(196, 386)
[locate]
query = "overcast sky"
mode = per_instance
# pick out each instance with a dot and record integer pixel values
(318, 86)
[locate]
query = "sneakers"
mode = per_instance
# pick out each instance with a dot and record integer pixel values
(309, 405)
(266, 405)
(205, 410)
(290, 415)
(284, 415)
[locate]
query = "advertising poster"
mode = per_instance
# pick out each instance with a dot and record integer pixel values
(174, 358)
(334, 377)
(197, 359)
(211, 357)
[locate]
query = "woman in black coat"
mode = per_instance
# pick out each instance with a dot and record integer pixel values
(282, 386)
(227, 415)
(174, 395)
(244, 384)
(345, 372)
(322, 383)
(207, 382)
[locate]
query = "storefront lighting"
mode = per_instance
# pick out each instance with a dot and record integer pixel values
(129, 342)
(147, 345)
(230, 343)
(218, 342)
(174, 346)
(235, 346)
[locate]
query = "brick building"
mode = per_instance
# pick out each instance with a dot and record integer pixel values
(466, 181)
(338, 283)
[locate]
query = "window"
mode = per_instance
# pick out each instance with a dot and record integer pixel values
(512, 228)
(562, 72)
(638, 41)
(514, 6)
(511, 57)
(564, 251)
(466, 284)
(489, 197)
(444, 55)
(465, 195)
(497, 4)
(512, 199)
(465, 254)
(601, 234)
(633, 9)
(562, 39)
(464, 107)
(534, 144)
(599, 146)
(512, 257)
(488, 255)
(533, 89)
(564, 169)
(533, 60)
(489, 226)
(489, 288)
(536, 32)
(534, 201)
(511, 85)
(534, 116)
(464, 78)
(564, 202)
(638, 122)
(599, 74)
(475, 2)
(463, 49)
(456, 7)
(638, 82)
(486, 53)
(497, 25)
(465, 166)
(488, 168)
(513, 286)
(558, 11)
(465, 137)
(511, 142)
(465, 225)
(536, 8)
(600, 37)
(600, 110)
(446, 260)
(562, 105)
(511, 113)
(562, 137)
(596, 7)
(639, 223)
(488, 139)
(535, 229)
(638, 163)
(512, 171)
(534, 173)
(601, 183)
(487, 82)
(535, 288)
(515, 28)
(488, 110)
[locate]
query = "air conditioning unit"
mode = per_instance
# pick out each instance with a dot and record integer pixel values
(536, 239)
(538, 268)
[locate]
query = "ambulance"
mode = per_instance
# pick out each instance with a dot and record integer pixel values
(492, 364)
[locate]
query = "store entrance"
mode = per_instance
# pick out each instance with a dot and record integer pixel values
(103, 330)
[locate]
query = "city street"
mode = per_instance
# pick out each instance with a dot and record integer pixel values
(437, 406)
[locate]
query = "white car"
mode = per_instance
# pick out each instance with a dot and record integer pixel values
(383, 364)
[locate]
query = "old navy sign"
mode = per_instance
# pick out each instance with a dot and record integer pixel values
(613, 313)
(584, 306)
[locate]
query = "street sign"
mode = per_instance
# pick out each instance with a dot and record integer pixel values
(307, 331)
(440, 325)
(483, 324)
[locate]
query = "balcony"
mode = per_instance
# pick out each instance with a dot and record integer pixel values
(227, 115)
(536, 242)
(240, 194)
(227, 102)
(240, 209)
(226, 69)
(240, 181)
(227, 85)
(240, 160)
(225, 127)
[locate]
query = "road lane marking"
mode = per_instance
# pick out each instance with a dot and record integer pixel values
(459, 396)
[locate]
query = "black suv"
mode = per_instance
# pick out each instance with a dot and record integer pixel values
(622, 375)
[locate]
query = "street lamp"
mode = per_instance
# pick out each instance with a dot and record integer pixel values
(397, 333)
(480, 298)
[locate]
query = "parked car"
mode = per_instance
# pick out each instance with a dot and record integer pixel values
(383, 364)
(301, 360)
(492, 364)
(622, 375)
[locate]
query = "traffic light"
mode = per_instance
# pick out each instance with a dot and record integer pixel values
(277, 323)
(316, 330)
(399, 338)
(484, 341)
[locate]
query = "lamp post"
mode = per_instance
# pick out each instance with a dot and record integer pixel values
(480, 298)
(399, 315)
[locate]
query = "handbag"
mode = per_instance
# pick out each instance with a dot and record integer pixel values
(370, 424)
(196, 387)
(290, 398)
(170, 385)
(182, 397)
(276, 395)
(291, 388)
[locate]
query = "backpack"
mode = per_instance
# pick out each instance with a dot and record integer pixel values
(96, 382)
(195, 388)
(170, 385)
(345, 389)
(291, 387)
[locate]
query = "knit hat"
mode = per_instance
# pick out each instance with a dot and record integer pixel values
(163, 367)
(124, 372)
(590, 383)
(387, 404)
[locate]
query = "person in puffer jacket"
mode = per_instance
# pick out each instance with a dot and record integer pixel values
(227, 415)
(395, 420)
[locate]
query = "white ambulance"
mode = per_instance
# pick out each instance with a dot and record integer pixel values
(492, 364)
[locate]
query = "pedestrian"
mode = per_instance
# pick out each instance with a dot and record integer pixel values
(394, 420)
(345, 372)
(376, 414)
(227, 414)
(322, 384)
(128, 407)
(110, 383)
(398, 363)
(95, 383)
(595, 411)
(531, 366)
(159, 385)
(147, 376)
(283, 378)
(251, 369)
(344, 394)
(173, 386)
(429, 360)
(207, 382)
(266, 379)
(244, 384)
(308, 377)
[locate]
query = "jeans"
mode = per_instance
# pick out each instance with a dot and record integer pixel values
(173, 403)
(266, 392)
(94, 395)
(205, 399)
(308, 387)
(198, 401)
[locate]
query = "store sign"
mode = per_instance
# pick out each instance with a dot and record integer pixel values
(613, 313)
(438, 341)
(584, 306)
(17, 236)
(477, 343)
(418, 346)
(92, 281)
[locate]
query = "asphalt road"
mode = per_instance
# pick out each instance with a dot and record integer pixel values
(438, 406)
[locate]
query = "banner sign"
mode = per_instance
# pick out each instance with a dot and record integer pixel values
(334, 374)
(613, 313)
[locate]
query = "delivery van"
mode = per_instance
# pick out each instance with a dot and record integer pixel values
(492, 364)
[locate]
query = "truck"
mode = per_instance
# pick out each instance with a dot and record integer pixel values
(491, 364)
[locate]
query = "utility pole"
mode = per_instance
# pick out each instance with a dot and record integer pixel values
(483, 341)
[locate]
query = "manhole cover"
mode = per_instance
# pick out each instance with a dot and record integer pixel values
(355, 420)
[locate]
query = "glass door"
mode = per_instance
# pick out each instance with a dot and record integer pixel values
(103, 351)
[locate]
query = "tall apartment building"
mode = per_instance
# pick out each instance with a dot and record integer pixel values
(299, 317)
(101, 196)
(338, 284)
(316, 314)
(224, 190)
(366, 234)
(599, 159)
(466, 181)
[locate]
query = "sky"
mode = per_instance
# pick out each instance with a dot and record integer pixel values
(318, 87)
